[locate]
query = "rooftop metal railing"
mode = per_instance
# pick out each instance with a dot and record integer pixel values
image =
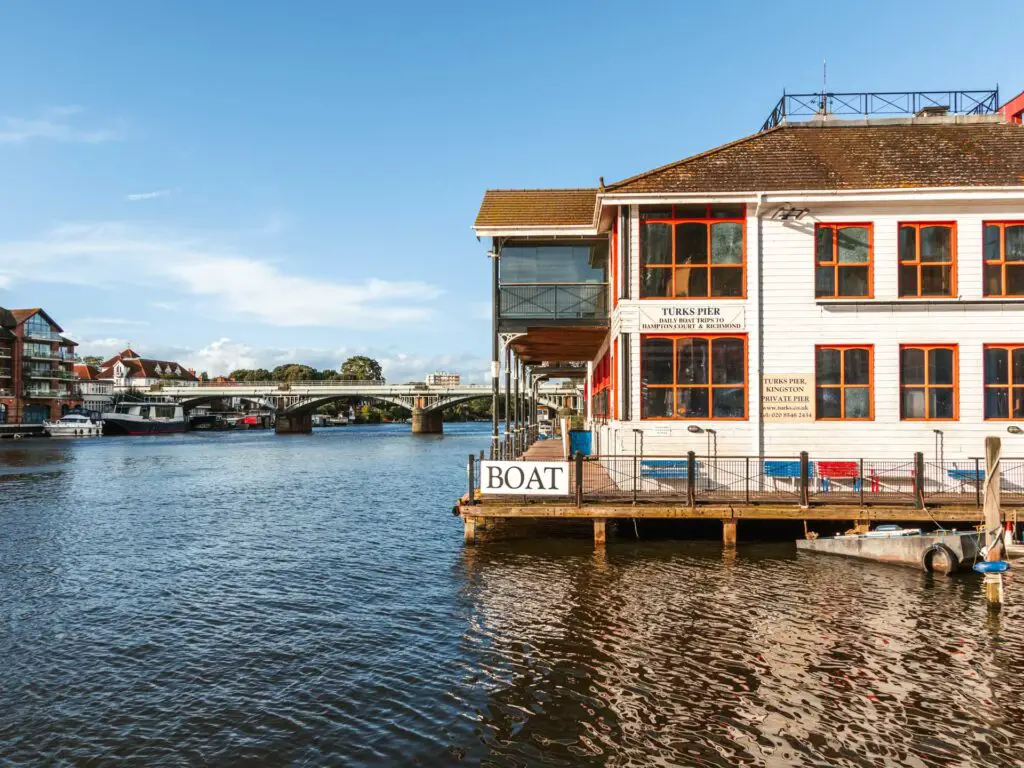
(867, 103)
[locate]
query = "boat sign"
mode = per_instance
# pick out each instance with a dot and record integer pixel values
(525, 478)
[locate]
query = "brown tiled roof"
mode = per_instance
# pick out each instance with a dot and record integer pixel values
(125, 353)
(87, 372)
(855, 155)
(537, 208)
(21, 315)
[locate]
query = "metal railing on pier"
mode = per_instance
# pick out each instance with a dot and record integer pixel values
(800, 480)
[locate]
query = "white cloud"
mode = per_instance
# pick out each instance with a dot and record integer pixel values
(136, 196)
(55, 125)
(106, 321)
(5, 282)
(116, 255)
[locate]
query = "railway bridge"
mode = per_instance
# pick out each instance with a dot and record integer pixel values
(294, 402)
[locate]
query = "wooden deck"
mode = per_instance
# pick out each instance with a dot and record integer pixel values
(605, 500)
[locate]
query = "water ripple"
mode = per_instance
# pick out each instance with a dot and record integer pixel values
(237, 599)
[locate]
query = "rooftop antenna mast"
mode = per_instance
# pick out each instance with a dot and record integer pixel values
(824, 87)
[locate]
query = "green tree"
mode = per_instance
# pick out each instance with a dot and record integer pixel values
(250, 374)
(294, 372)
(92, 359)
(360, 367)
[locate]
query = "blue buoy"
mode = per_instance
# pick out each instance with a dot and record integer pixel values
(995, 566)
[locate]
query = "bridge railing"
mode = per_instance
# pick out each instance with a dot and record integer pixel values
(299, 383)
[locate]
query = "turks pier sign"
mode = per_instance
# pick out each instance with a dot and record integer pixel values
(525, 478)
(661, 316)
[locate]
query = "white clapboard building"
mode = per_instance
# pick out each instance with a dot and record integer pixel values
(845, 287)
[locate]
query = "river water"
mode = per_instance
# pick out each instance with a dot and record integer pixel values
(244, 598)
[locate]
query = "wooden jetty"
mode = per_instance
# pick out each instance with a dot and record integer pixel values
(604, 489)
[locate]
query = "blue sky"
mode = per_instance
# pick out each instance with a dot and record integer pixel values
(238, 184)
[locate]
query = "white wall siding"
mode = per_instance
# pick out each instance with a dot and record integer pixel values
(794, 322)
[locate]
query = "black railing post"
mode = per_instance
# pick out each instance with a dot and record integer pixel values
(636, 475)
(469, 473)
(919, 480)
(977, 483)
(860, 478)
(805, 480)
(746, 479)
(691, 478)
(579, 479)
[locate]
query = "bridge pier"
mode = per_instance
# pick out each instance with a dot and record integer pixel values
(426, 422)
(294, 423)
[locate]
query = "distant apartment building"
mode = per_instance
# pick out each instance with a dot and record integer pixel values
(36, 368)
(443, 379)
(128, 371)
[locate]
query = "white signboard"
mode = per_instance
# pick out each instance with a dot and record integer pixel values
(788, 397)
(661, 317)
(525, 478)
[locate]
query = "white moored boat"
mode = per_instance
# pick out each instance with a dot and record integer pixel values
(73, 425)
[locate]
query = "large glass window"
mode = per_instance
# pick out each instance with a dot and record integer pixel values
(842, 254)
(1004, 259)
(1004, 381)
(927, 255)
(39, 326)
(843, 383)
(558, 262)
(928, 382)
(694, 377)
(692, 251)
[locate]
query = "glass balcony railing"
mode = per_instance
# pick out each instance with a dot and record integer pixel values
(553, 301)
(39, 333)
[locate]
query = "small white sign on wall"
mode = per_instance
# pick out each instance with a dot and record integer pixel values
(525, 478)
(788, 397)
(661, 432)
(659, 316)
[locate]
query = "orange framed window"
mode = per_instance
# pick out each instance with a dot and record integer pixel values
(693, 251)
(693, 376)
(928, 383)
(843, 382)
(1003, 248)
(600, 386)
(844, 261)
(927, 254)
(1004, 381)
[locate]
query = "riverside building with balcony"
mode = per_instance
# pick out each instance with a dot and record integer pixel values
(844, 284)
(37, 380)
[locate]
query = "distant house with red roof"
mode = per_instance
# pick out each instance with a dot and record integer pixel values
(127, 370)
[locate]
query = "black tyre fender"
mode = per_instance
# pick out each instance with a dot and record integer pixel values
(929, 555)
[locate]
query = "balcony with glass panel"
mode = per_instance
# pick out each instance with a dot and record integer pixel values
(557, 282)
(37, 333)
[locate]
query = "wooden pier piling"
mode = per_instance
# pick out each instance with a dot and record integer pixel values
(729, 530)
(993, 520)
